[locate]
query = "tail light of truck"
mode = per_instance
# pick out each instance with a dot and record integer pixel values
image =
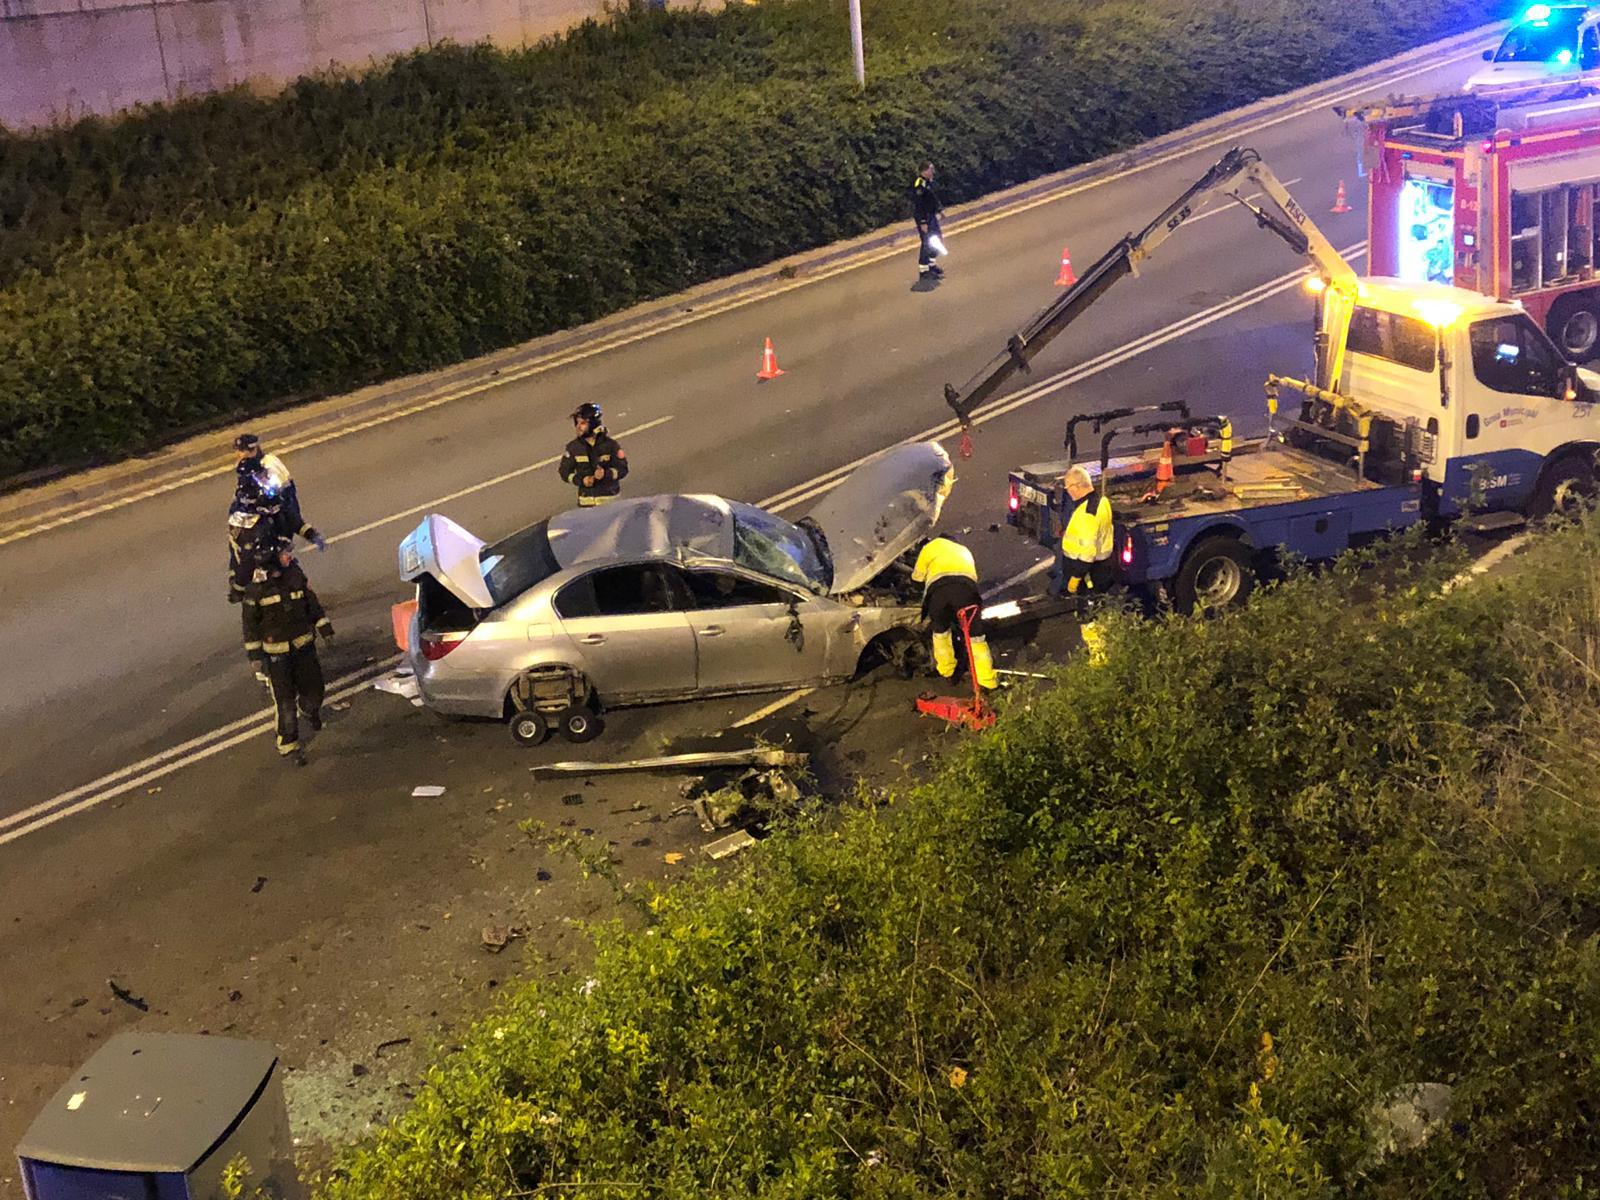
(1013, 501)
(435, 645)
(1127, 550)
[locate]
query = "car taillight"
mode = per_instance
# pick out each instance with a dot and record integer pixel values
(1127, 550)
(436, 645)
(1013, 501)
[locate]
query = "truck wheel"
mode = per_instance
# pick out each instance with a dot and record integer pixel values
(1216, 574)
(1565, 489)
(1575, 326)
(529, 728)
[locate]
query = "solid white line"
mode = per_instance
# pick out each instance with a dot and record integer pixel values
(1038, 568)
(163, 764)
(1336, 91)
(478, 487)
(768, 710)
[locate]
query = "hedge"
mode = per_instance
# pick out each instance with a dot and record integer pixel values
(191, 264)
(1180, 927)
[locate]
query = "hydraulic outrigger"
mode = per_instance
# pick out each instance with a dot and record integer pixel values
(1231, 176)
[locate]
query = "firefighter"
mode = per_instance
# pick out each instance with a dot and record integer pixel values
(949, 577)
(593, 461)
(273, 479)
(1083, 566)
(926, 212)
(282, 619)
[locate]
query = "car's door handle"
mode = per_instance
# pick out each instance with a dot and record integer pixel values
(592, 639)
(711, 631)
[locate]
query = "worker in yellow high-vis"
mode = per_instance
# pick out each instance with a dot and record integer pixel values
(949, 577)
(1084, 568)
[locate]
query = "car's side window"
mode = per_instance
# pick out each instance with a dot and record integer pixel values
(618, 592)
(723, 589)
(1589, 54)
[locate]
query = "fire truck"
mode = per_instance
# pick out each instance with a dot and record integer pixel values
(1494, 190)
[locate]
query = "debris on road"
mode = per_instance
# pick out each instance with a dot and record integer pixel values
(672, 858)
(127, 997)
(497, 937)
(390, 1044)
(261, 882)
(753, 757)
(730, 845)
(402, 683)
(427, 789)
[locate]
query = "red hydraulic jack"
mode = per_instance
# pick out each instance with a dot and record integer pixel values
(974, 713)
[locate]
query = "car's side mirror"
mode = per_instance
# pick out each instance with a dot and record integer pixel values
(1488, 56)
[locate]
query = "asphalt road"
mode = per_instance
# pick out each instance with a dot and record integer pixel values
(119, 646)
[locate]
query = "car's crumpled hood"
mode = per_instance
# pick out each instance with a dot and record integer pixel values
(882, 509)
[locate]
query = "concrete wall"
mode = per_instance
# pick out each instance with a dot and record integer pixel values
(61, 59)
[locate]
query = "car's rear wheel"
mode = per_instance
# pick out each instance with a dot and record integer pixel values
(529, 727)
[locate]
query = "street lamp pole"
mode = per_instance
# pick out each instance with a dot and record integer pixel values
(856, 50)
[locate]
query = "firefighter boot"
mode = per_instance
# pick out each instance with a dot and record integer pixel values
(983, 664)
(944, 654)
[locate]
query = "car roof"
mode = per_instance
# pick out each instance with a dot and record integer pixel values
(664, 526)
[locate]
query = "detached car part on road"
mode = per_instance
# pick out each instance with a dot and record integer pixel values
(670, 597)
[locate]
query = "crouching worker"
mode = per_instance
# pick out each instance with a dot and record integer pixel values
(1083, 567)
(282, 618)
(949, 577)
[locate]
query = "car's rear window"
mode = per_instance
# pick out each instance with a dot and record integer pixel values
(514, 564)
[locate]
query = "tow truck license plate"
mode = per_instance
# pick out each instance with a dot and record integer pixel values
(1028, 494)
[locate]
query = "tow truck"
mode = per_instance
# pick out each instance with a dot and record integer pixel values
(1429, 402)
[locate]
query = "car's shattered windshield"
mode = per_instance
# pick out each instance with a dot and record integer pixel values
(771, 545)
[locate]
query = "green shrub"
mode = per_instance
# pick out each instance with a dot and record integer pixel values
(194, 263)
(1173, 929)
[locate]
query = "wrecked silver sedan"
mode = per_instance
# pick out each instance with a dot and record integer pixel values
(667, 598)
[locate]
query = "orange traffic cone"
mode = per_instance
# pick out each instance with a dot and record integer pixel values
(1067, 277)
(1163, 469)
(1339, 205)
(769, 364)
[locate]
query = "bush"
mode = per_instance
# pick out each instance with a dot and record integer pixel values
(1176, 928)
(195, 263)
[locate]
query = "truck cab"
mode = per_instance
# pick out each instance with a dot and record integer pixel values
(1511, 425)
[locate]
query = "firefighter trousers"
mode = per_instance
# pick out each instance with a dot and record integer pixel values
(295, 679)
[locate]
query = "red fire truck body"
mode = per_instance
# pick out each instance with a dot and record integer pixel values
(1497, 194)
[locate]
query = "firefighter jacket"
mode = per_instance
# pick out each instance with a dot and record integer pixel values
(247, 528)
(281, 614)
(271, 469)
(600, 458)
(924, 201)
(1087, 543)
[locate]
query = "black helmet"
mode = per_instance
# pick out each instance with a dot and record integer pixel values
(591, 413)
(247, 441)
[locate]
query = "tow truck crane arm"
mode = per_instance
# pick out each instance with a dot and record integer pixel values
(1230, 175)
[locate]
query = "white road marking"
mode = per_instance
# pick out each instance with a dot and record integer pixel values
(766, 711)
(108, 787)
(602, 345)
(431, 505)
(1038, 568)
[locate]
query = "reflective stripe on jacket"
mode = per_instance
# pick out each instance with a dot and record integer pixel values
(942, 557)
(1089, 535)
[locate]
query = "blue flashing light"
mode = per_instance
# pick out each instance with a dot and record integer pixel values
(1537, 12)
(1564, 57)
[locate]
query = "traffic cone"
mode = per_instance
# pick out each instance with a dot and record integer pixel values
(1067, 277)
(1163, 470)
(1339, 205)
(769, 364)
